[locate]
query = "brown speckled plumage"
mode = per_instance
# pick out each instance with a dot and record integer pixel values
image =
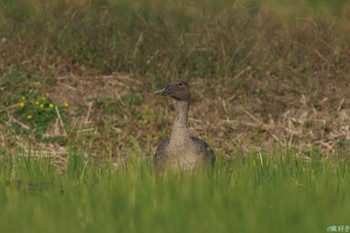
(181, 151)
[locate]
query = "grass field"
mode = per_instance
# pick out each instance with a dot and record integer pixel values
(270, 93)
(262, 193)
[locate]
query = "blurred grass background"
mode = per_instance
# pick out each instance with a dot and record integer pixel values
(269, 54)
(164, 39)
(262, 57)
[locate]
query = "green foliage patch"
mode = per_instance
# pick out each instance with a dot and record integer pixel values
(37, 112)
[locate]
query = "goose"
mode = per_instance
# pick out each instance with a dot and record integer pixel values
(182, 150)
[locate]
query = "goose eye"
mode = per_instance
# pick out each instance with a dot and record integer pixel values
(180, 84)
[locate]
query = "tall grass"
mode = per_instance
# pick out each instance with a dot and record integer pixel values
(262, 193)
(167, 39)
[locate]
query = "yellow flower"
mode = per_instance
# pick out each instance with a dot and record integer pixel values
(43, 98)
(65, 104)
(29, 117)
(51, 105)
(47, 94)
(21, 104)
(23, 98)
(41, 106)
(37, 102)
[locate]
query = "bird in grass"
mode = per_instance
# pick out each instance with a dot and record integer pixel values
(182, 150)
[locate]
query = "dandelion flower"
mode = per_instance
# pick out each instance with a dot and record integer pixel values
(37, 102)
(51, 105)
(41, 106)
(23, 98)
(65, 104)
(29, 117)
(21, 104)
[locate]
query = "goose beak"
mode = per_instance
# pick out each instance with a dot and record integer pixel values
(165, 91)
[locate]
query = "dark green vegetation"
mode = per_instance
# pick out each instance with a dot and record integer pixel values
(264, 74)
